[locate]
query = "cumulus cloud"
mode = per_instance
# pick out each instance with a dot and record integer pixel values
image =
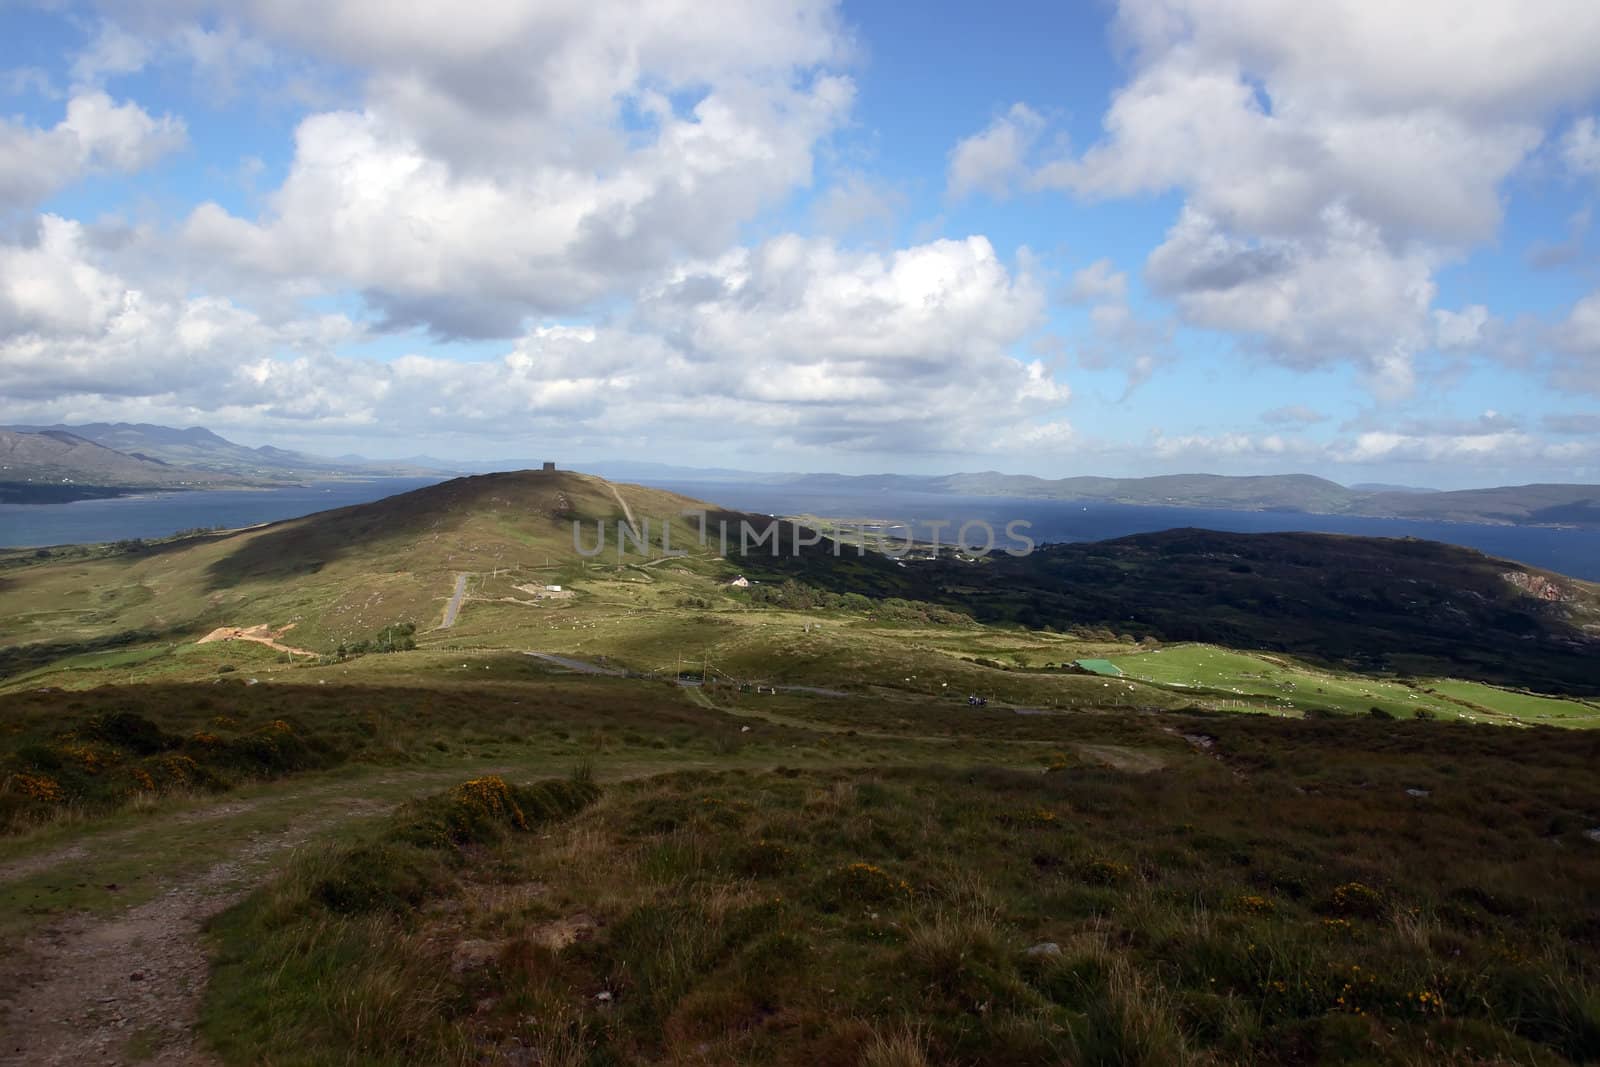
(1339, 294)
(70, 326)
(471, 255)
(1576, 340)
(1503, 447)
(796, 340)
(993, 159)
(96, 134)
(535, 159)
(1201, 447)
(1331, 157)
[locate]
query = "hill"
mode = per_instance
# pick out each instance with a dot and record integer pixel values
(338, 576)
(1397, 605)
(56, 465)
(1277, 492)
(1547, 504)
(198, 449)
(498, 541)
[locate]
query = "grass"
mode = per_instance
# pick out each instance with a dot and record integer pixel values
(1275, 683)
(1521, 707)
(964, 914)
(1087, 870)
(857, 879)
(1285, 684)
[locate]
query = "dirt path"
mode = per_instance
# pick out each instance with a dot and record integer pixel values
(626, 510)
(261, 634)
(88, 990)
(453, 608)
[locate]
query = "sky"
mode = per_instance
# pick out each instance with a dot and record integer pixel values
(1354, 238)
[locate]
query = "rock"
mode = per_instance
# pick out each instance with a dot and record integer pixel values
(603, 996)
(1042, 949)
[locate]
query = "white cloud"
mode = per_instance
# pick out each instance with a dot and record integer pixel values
(1202, 448)
(70, 326)
(1332, 157)
(1341, 294)
(112, 51)
(1580, 148)
(795, 340)
(96, 134)
(1503, 447)
(1576, 341)
(993, 159)
(1464, 329)
(1098, 281)
(535, 159)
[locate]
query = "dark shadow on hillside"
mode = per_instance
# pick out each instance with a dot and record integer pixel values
(1390, 605)
(298, 547)
(1394, 606)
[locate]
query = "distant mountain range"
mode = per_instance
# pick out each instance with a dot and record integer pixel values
(41, 464)
(1551, 505)
(52, 464)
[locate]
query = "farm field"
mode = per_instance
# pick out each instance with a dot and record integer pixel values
(1294, 686)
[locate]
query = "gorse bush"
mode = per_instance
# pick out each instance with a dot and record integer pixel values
(109, 759)
(413, 856)
(396, 637)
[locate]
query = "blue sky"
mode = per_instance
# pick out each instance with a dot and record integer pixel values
(1163, 235)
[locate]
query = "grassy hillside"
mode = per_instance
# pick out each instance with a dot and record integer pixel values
(1557, 505)
(1411, 607)
(335, 576)
(487, 547)
(799, 880)
(762, 824)
(55, 466)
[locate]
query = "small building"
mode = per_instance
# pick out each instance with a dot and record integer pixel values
(548, 466)
(740, 582)
(552, 589)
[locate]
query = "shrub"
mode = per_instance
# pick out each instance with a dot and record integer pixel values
(124, 729)
(861, 883)
(1355, 900)
(379, 877)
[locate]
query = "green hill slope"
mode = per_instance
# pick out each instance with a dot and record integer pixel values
(335, 576)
